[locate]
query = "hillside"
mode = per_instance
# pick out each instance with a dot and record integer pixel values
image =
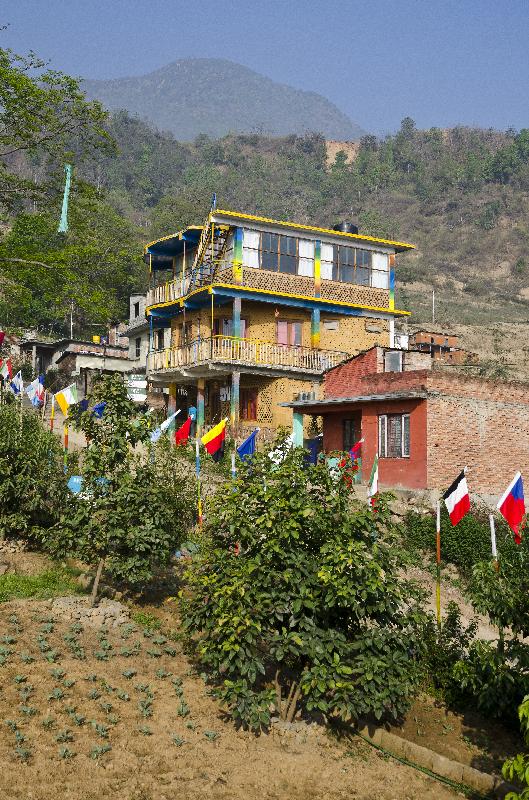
(193, 96)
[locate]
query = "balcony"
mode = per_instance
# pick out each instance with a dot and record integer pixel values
(224, 353)
(264, 280)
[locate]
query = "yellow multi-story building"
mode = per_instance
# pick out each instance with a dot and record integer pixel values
(247, 312)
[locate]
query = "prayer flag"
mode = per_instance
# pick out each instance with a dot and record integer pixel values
(355, 450)
(511, 506)
(6, 370)
(2, 336)
(247, 448)
(182, 434)
(213, 440)
(35, 391)
(372, 488)
(155, 435)
(457, 499)
(66, 398)
(98, 409)
(17, 384)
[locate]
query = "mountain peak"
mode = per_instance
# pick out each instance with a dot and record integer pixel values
(215, 96)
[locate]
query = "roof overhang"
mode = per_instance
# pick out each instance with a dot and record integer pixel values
(160, 253)
(335, 403)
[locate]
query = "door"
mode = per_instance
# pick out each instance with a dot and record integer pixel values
(352, 431)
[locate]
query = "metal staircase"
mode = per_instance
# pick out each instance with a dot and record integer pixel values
(210, 253)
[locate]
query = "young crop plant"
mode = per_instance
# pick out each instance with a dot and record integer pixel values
(56, 694)
(154, 653)
(52, 656)
(170, 650)
(127, 630)
(145, 730)
(100, 750)
(145, 708)
(183, 709)
(94, 694)
(113, 719)
(177, 740)
(121, 695)
(101, 730)
(92, 678)
(211, 735)
(24, 753)
(106, 707)
(327, 621)
(129, 673)
(58, 674)
(64, 736)
(11, 724)
(48, 723)
(68, 683)
(47, 627)
(26, 691)
(66, 753)
(161, 673)
(26, 658)
(8, 639)
(29, 711)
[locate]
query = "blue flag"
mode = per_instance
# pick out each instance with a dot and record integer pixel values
(98, 409)
(247, 448)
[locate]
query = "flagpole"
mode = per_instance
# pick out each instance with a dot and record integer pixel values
(65, 446)
(438, 547)
(233, 469)
(493, 541)
(197, 467)
(52, 415)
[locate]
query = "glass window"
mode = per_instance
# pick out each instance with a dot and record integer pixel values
(269, 251)
(346, 261)
(222, 326)
(295, 333)
(138, 347)
(306, 258)
(394, 435)
(363, 264)
(287, 254)
(393, 361)
(136, 309)
(250, 249)
(289, 332)
(379, 280)
(328, 262)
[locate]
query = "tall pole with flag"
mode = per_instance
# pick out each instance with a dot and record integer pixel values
(438, 554)
(197, 469)
(63, 224)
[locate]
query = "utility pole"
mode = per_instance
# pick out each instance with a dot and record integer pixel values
(433, 305)
(71, 319)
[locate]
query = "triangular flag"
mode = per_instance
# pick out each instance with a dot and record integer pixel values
(247, 448)
(66, 398)
(155, 435)
(213, 440)
(372, 488)
(511, 506)
(6, 370)
(182, 434)
(35, 391)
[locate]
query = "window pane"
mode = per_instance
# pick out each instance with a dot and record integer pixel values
(380, 261)
(251, 239)
(392, 361)
(346, 255)
(394, 436)
(382, 421)
(269, 260)
(306, 258)
(406, 437)
(379, 280)
(287, 245)
(287, 264)
(250, 258)
(282, 331)
(363, 258)
(269, 241)
(347, 274)
(361, 277)
(295, 333)
(329, 266)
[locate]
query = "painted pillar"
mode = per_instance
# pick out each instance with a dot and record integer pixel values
(236, 317)
(391, 282)
(315, 328)
(392, 332)
(234, 400)
(297, 429)
(237, 255)
(317, 268)
(171, 408)
(200, 406)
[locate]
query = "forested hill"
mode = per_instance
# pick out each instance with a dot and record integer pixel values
(461, 195)
(214, 96)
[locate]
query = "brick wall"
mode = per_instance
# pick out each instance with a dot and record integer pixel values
(480, 424)
(365, 375)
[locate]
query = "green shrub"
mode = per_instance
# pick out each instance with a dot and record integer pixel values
(296, 600)
(445, 647)
(518, 767)
(33, 486)
(52, 583)
(464, 544)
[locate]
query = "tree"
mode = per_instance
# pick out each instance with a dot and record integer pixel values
(33, 486)
(43, 114)
(133, 509)
(296, 599)
(518, 767)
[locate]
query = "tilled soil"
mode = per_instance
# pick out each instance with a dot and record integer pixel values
(76, 736)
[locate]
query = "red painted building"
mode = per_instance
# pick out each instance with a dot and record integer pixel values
(425, 423)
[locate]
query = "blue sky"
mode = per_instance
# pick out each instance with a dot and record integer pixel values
(441, 62)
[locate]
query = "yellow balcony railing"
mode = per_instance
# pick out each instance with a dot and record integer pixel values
(251, 352)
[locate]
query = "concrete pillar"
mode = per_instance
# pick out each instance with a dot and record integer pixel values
(200, 406)
(237, 255)
(315, 328)
(297, 429)
(234, 401)
(392, 332)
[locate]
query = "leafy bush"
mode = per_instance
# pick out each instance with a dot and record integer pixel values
(445, 647)
(518, 767)
(135, 505)
(296, 598)
(33, 487)
(465, 544)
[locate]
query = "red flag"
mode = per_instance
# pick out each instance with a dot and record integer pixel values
(2, 336)
(182, 434)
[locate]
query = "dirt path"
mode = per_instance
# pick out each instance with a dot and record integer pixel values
(183, 749)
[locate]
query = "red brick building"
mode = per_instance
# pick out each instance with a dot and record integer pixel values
(424, 422)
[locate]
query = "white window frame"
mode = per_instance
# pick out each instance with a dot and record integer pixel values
(383, 435)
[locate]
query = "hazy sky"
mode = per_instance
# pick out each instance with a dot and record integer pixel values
(439, 61)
